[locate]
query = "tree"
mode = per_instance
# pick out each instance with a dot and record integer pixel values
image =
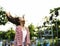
(31, 29)
(56, 22)
(3, 18)
(10, 34)
(1, 35)
(54, 10)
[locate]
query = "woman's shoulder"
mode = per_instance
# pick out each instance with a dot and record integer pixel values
(18, 28)
(27, 28)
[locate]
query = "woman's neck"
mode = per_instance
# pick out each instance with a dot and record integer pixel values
(22, 25)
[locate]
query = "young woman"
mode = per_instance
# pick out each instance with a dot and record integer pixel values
(22, 36)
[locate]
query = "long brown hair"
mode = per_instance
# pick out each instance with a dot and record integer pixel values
(13, 20)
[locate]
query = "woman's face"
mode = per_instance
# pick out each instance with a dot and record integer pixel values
(22, 21)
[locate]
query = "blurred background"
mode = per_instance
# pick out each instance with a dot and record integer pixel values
(42, 18)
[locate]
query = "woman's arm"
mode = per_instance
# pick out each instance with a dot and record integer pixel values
(10, 18)
(18, 36)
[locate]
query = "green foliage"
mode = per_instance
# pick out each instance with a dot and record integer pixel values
(1, 35)
(52, 10)
(9, 35)
(38, 44)
(55, 21)
(3, 18)
(31, 29)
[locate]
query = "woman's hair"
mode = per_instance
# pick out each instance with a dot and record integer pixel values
(17, 21)
(13, 20)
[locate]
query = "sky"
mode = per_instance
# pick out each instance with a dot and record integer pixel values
(34, 10)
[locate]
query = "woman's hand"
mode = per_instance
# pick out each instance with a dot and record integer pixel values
(8, 13)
